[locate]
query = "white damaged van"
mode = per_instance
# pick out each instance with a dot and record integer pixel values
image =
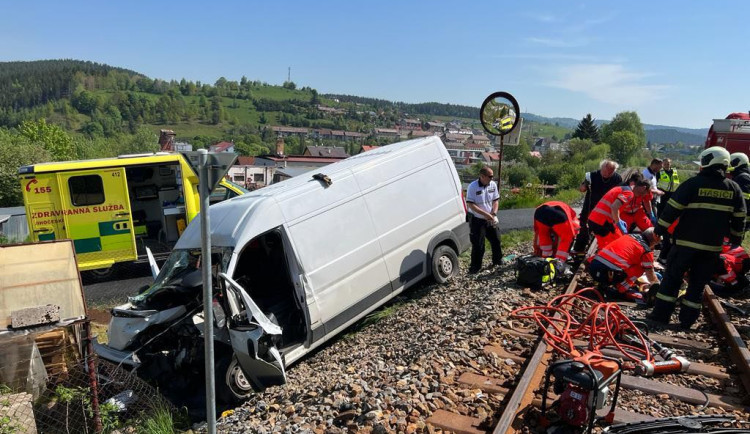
(296, 263)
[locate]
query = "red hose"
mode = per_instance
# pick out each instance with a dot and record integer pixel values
(582, 318)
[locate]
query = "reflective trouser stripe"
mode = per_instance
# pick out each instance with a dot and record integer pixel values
(698, 246)
(562, 255)
(690, 304)
(666, 298)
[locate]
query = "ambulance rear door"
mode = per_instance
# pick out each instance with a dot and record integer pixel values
(42, 199)
(97, 216)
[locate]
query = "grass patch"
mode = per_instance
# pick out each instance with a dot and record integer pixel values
(158, 421)
(508, 240)
(530, 198)
(515, 238)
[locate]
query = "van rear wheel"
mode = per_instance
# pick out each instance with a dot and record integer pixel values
(444, 264)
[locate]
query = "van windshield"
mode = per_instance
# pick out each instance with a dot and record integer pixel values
(180, 278)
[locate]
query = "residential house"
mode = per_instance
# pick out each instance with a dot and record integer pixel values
(355, 136)
(365, 148)
(436, 126)
(411, 124)
(325, 151)
(456, 137)
(387, 133)
(290, 131)
(415, 134)
(480, 139)
(490, 158)
(223, 146)
(288, 166)
(250, 173)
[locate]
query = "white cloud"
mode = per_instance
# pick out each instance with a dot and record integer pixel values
(608, 83)
(547, 57)
(545, 18)
(559, 43)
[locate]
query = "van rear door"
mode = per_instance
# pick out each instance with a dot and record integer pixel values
(254, 339)
(97, 216)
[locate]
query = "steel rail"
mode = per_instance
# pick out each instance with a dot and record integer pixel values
(738, 350)
(523, 394)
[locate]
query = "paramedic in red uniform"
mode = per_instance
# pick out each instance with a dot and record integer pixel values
(623, 261)
(555, 228)
(636, 213)
(605, 221)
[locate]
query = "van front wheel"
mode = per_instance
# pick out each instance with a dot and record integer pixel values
(444, 264)
(231, 385)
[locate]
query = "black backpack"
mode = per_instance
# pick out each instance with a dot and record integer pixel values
(533, 271)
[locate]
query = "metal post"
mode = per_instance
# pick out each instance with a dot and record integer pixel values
(208, 313)
(499, 162)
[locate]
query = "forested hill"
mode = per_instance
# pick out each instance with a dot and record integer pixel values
(101, 101)
(28, 84)
(427, 108)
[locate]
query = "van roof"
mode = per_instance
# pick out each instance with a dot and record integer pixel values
(234, 220)
(122, 160)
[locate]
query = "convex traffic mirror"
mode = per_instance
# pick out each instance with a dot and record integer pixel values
(499, 113)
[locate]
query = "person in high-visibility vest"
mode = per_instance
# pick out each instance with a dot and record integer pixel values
(622, 262)
(667, 183)
(555, 228)
(605, 221)
(709, 208)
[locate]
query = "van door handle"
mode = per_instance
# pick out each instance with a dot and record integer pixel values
(122, 214)
(42, 230)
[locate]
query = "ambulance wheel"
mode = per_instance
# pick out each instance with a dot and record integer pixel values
(444, 264)
(232, 386)
(100, 274)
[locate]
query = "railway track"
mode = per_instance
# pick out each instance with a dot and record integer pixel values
(715, 384)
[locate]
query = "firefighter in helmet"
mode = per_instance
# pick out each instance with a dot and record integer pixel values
(741, 175)
(706, 198)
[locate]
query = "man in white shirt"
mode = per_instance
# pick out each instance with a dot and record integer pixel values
(482, 198)
(651, 174)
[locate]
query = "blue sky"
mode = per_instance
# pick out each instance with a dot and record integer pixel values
(675, 63)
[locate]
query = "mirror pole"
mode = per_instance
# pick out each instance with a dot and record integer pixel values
(208, 320)
(499, 163)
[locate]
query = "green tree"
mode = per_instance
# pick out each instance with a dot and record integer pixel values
(289, 85)
(587, 129)
(144, 140)
(623, 145)
(624, 121)
(51, 137)
(15, 151)
(516, 153)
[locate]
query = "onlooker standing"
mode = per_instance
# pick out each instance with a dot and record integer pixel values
(482, 199)
(668, 182)
(595, 184)
(651, 174)
(709, 208)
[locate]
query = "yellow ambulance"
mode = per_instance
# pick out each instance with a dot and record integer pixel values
(113, 208)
